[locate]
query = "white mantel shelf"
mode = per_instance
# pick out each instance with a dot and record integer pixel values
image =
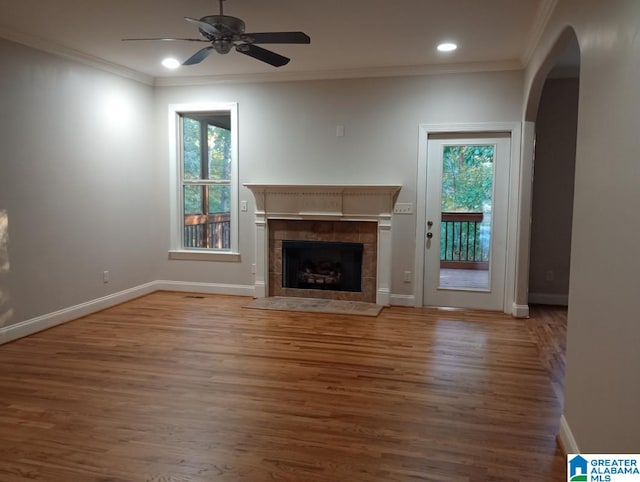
(344, 202)
(363, 201)
(349, 187)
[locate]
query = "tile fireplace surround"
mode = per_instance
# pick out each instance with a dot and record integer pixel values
(365, 210)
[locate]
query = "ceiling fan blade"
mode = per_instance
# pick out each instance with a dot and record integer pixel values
(263, 55)
(199, 56)
(166, 39)
(205, 27)
(279, 38)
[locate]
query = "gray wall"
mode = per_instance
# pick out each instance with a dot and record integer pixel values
(287, 134)
(76, 190)
(84, 171)
(602, 392)
(552, 208)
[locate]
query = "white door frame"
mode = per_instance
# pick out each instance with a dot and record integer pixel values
(515, 130)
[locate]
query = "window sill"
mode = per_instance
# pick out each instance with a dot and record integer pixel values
(204, 255)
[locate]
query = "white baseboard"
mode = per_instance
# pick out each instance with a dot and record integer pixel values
(520, 311)
(206, 288)
(403, 300)
(567, 440)
(28, 327)
(548, 299)
(34, 325)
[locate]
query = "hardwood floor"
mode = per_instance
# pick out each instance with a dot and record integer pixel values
(548, 327)
(172, 387)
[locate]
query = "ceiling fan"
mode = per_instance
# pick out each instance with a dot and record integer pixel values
(224, 32)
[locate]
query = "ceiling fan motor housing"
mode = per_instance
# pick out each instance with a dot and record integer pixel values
(228, 25)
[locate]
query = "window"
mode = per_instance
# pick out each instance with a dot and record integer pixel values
(205, 181)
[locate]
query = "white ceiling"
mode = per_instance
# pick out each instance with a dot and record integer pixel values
(347, 36)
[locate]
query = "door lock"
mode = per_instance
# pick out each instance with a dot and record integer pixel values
(429, 235)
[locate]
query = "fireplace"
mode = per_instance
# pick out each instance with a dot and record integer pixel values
(322, 265)
(333, 214)
(320, 246)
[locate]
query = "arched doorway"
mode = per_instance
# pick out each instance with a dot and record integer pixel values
(551, 115)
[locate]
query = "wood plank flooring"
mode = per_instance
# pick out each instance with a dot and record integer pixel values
(177, 388)
(548, 327)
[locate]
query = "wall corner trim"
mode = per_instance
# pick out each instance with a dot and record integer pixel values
(567, 440)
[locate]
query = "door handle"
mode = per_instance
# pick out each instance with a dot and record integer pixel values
(429, 235)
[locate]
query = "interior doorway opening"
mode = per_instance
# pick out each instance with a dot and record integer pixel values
(553, 181)
(544, 282)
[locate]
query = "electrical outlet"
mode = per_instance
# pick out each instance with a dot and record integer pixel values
(105, 276)
(403, 208)
(549, 275)
(407, 277)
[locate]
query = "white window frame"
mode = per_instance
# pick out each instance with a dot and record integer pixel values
(177, 249)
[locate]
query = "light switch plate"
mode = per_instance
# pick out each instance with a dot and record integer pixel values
(403, 208)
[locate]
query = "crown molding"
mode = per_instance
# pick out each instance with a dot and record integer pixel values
(184, 81)
(398, 71)
(72, 54)
(543, 15)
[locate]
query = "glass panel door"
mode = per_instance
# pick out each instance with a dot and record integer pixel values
(465, 245)
(465, 229)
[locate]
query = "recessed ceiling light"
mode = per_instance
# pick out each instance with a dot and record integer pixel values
(171, 63)
(447, 47)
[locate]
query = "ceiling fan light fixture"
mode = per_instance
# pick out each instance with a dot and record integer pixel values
(170, 63)
(447, 47)
(222, 46)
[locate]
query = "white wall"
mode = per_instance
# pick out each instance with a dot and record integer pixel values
(602, 393)
(75, 182)
(288, 135)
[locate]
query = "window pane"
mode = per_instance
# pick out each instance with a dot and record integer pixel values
(205, 171)
(191, 148)
(192, 196)
(219, 140)
(467, 178)
(219, 199)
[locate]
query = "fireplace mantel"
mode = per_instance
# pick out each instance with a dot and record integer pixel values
(337, 202)
(334, 200)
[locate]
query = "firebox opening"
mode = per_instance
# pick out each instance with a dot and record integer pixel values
(322, 265)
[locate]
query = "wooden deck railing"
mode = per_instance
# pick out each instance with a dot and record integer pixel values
(460, 242)
(207, 231)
